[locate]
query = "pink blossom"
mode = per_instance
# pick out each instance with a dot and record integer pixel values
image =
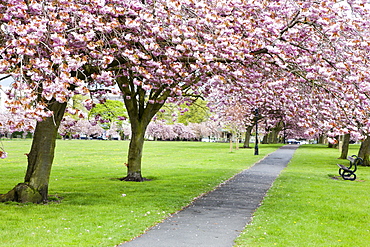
(3, 155)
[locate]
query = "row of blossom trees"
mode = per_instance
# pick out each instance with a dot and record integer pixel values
(179, 131)
(286, 57)
(157, 130)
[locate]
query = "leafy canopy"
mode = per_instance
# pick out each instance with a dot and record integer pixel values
(109, 112)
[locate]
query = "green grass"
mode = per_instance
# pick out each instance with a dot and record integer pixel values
(93, 211)
(305, 207)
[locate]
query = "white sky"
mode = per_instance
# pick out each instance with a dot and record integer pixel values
(6, 82)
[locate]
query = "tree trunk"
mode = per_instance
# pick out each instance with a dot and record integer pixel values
(345, 146)
(135, 154)
(265, 139)
(321, 139)
(335, 144)
(140, 112)
(248, 133)
(276, 131)
(40, 159)
(273, 136)
(364, 151)
(270, 136)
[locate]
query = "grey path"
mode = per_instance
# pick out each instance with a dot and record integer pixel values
(217, 218)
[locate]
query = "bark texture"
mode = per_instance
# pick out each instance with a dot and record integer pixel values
(272, 136)
(345, 146)
(321, 139)
(135, 153)
(140, 112)
(40, 159)
(248, 134)
(265, 139)
(364, 151)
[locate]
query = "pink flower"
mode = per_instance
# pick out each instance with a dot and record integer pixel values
(88, 104)
(3, 155)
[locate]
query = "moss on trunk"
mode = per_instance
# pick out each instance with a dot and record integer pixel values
(40, 159)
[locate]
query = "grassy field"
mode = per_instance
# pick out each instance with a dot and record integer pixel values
(99, 210)
(306, 207)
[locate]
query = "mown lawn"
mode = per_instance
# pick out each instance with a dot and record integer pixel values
(99, 210)
(306, 207)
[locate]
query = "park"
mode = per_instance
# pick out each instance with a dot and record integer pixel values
(189, 94)
(91, 207)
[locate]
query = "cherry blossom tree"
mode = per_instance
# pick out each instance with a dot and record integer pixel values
(125, 130)
(160, 130)
(178, 131)
(205, 129)
(320, 51)
(66, 127)
(166, 51)
(183, 132)
(113, 131)
(76, 128)
(321, 47)
(40, 48)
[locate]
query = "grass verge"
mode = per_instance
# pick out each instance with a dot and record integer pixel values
(99, 210)
(306, 207)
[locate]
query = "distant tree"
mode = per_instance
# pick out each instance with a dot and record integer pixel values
(108, 112)
(195, 113)
(205, 129)
(346, 138)
(75, 128)
(125, 131)
(168, 114)
(10, 123)
(77, 102)
(66, 128)
(113, 131)
(183, 132)
(161, 130)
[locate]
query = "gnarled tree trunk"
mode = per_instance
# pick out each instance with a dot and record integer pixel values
(364, 151)
(140, 112)
(40, 159)
(345, 146)
(321, 139)
(248, 133)
(265, 139)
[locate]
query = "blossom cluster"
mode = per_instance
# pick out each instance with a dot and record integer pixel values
(301, 62)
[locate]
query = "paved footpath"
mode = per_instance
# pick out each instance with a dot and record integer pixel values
(217, 218)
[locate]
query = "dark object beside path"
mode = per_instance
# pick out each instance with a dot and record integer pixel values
(348, 173)
(217, 218)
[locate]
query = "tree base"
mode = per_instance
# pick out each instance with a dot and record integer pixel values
(134, 179)
(22, 193)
